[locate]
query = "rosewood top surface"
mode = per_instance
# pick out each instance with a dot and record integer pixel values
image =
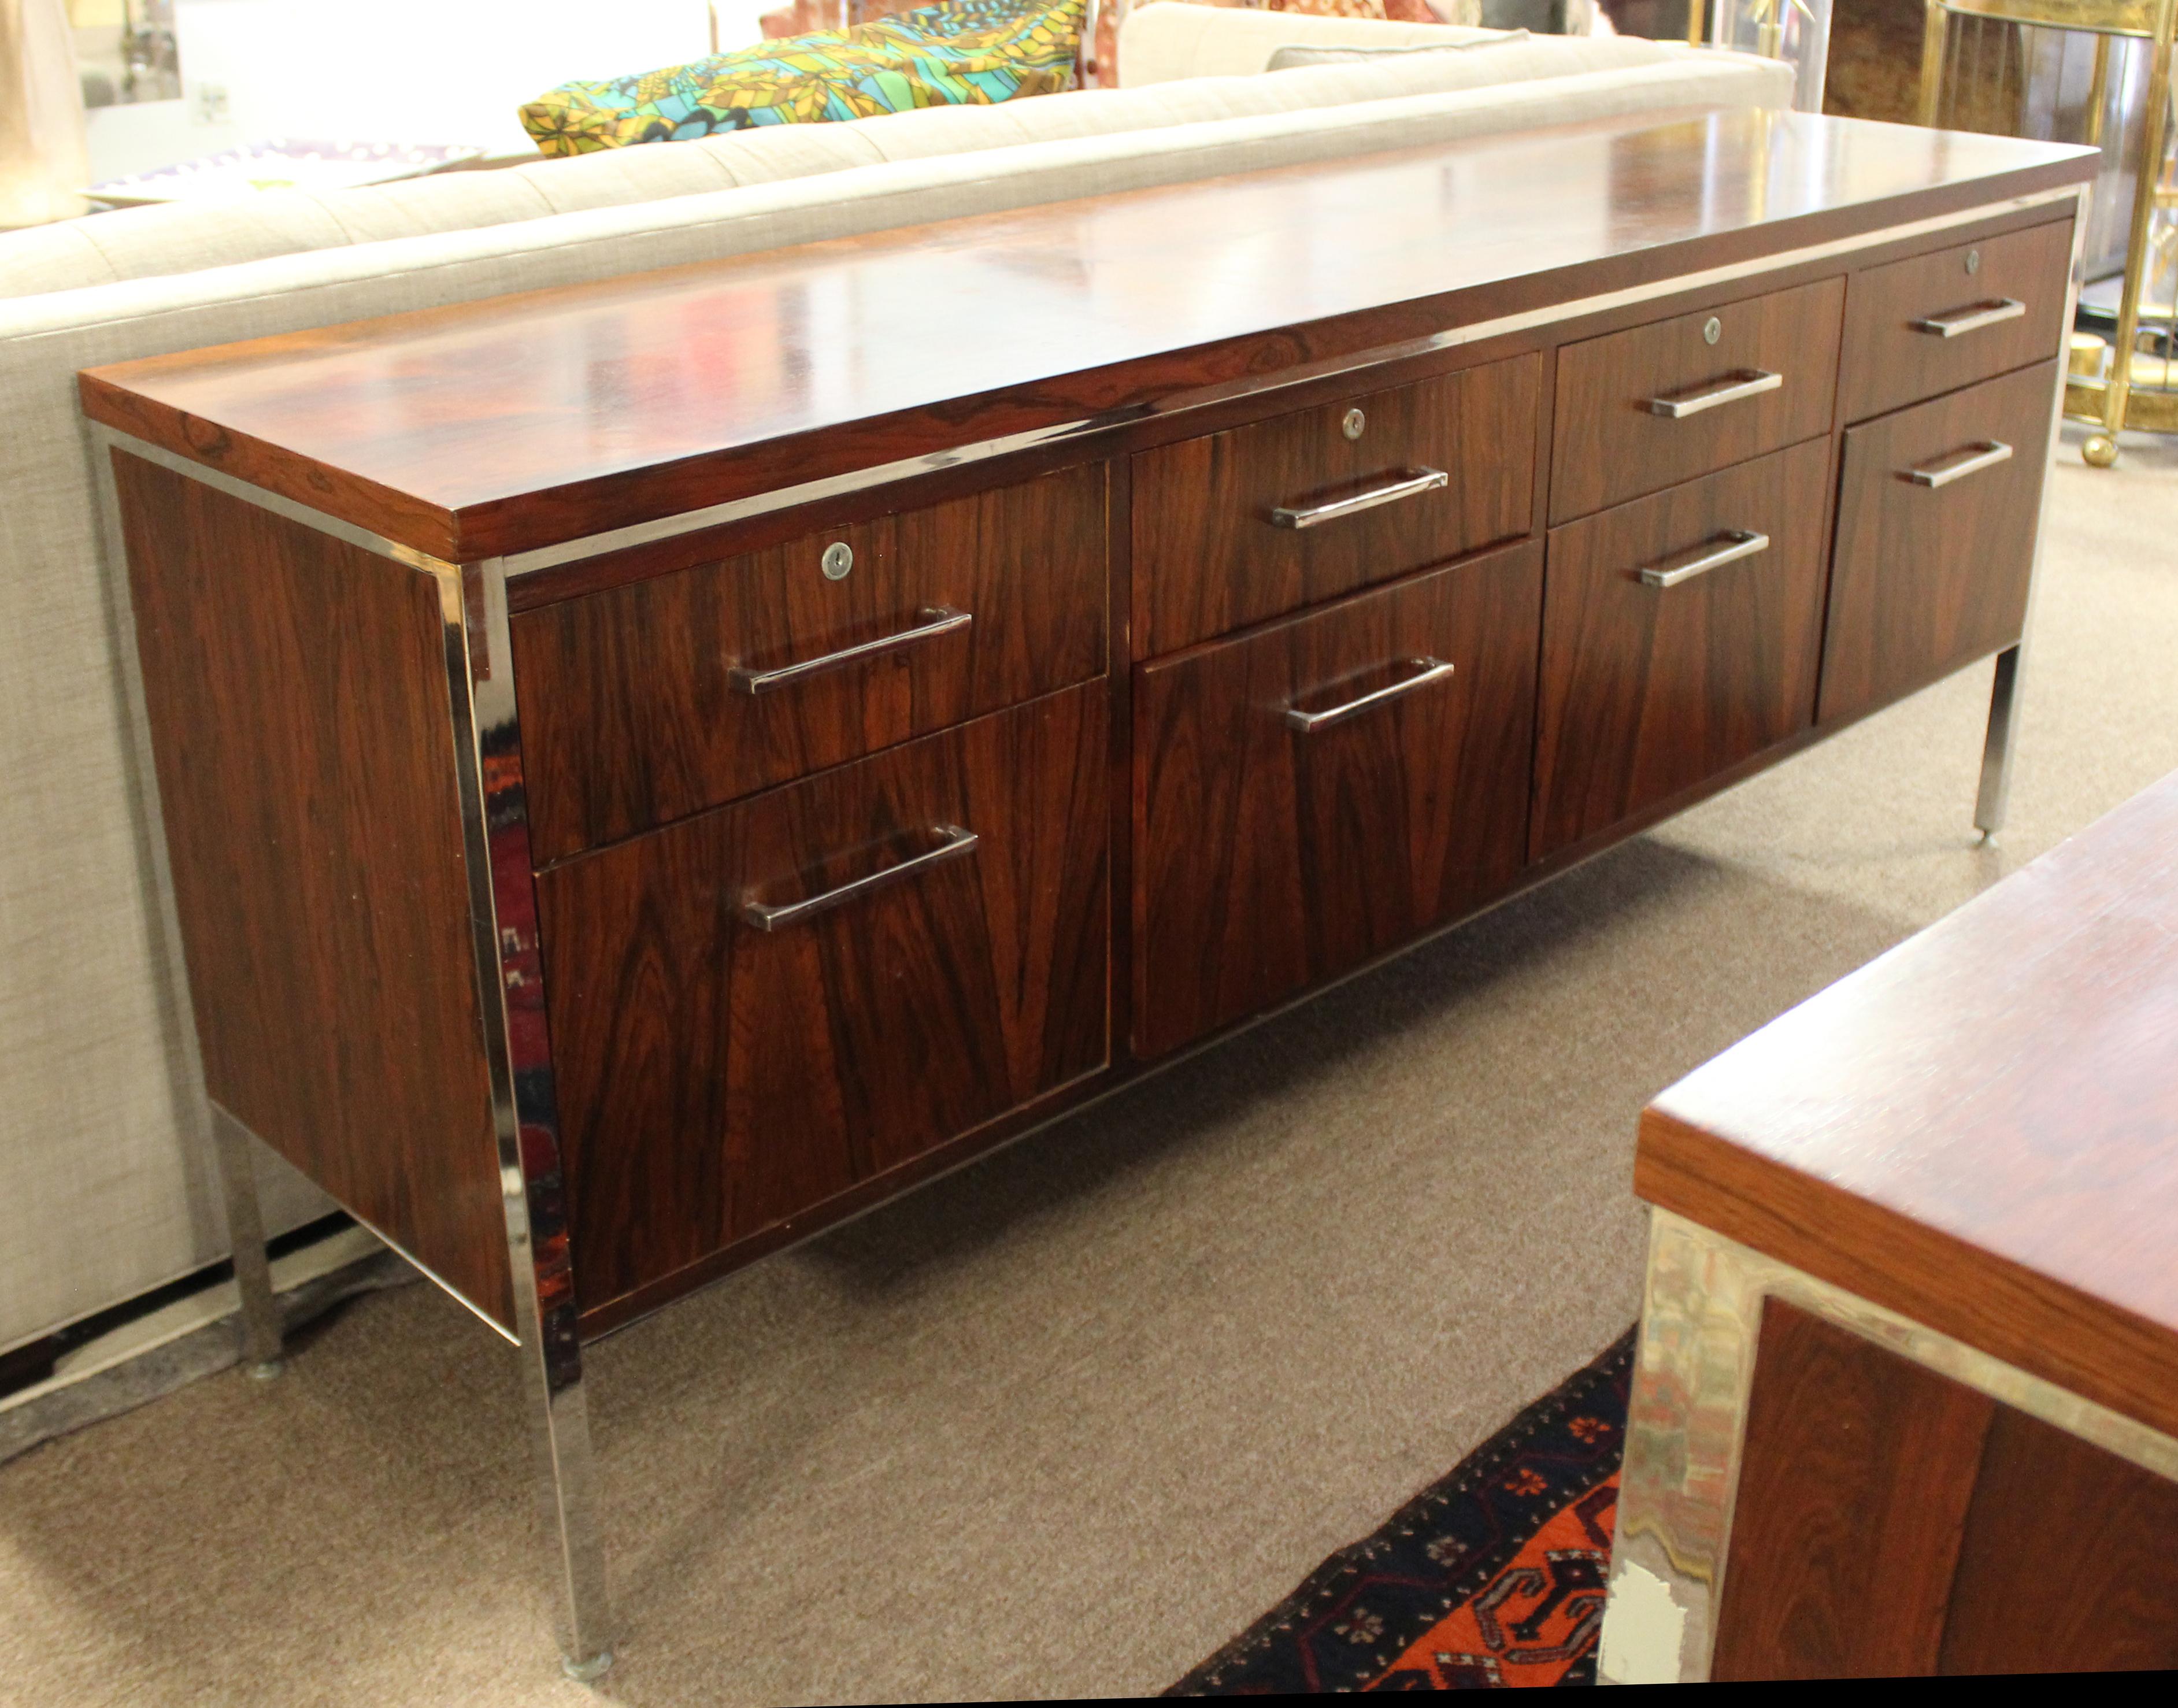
(1980, 1128)
(522, 421)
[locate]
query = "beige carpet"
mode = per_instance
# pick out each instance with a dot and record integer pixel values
(1061, 1424)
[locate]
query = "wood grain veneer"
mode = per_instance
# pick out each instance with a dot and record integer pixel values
(716, 1080)
(1645, 691)
(1857, 1468)
(1891, 1522)
(1888, 362)
(1612, 447)
(2066, 1564)
(1924, 580)
(296, 692)
(1973, 1130)
(1268, 859)
(630, 718)
(1212, 560)
(502, 425)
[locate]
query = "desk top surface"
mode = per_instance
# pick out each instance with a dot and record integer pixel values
(1980, 1128)
(523, 421)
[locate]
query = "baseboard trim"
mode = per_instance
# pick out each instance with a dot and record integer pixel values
(149, 1346)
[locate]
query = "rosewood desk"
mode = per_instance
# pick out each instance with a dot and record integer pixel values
(1907, 1396)
(651, 768)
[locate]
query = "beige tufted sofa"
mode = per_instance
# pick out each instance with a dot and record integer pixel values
(104, 1181)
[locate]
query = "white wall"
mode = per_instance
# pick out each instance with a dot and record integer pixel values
(396, 70)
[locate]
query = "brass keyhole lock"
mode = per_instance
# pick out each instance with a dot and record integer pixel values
(1973, 260)
(838, 558)
(1354, 425)
(1712, 330)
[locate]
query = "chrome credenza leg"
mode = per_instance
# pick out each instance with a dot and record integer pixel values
(525, 1118)
(1996, 748)
(568, 1501)
(260, 1316)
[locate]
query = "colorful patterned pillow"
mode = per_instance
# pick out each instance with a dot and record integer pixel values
(967, 52)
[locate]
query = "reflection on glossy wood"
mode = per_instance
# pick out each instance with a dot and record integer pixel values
(1924, 579)
(501, 425)
(1855, 1476)
(1210, 560)
(1973, 1130)
(630, 718)
(1890, 362)
(715, 1079)
(297, 689)
(1612, 446)
(1266, 858)
(1648, 690)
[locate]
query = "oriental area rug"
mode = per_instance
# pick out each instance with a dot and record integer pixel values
(1492, 1578)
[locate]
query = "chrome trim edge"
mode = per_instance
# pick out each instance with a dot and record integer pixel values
(522, 563)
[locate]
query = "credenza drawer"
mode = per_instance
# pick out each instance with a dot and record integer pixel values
(1239, 526)
(1642, 409)
(1317, 793)
(1681, 634)
(1935, 538)
(1917, 327)
(757, 1008)
(653, 701)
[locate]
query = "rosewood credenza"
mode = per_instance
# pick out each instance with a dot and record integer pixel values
(650, 768)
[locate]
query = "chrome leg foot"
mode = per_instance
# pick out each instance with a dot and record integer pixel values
(590, 1670)
(1995, 792)
(566, 1491)
(260, 1316)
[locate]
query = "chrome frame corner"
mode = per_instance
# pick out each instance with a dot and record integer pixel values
(1693, 1371)
(1993, 795)
(487, 764)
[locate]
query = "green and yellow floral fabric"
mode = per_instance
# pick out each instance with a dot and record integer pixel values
(965, 53)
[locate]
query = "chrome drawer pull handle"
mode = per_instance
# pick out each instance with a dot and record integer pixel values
(952, 843)
(1728, 547)
(1429, 671)
(1971, 319)
(1959, 464)
(1416, 480)
(1748, 382)
(935, 621)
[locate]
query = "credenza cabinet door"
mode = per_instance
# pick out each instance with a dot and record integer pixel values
(1935, 539)
(1240, 526)
(757, 1010)
(1320, 792)
(1681, 634)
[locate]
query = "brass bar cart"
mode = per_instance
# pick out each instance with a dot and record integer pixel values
(2132, 379)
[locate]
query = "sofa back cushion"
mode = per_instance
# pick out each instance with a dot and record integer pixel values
(147, 242)
(962, 52)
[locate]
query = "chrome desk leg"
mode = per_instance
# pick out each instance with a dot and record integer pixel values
(1996, 748)
(525, 1118)
(259, 1317)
